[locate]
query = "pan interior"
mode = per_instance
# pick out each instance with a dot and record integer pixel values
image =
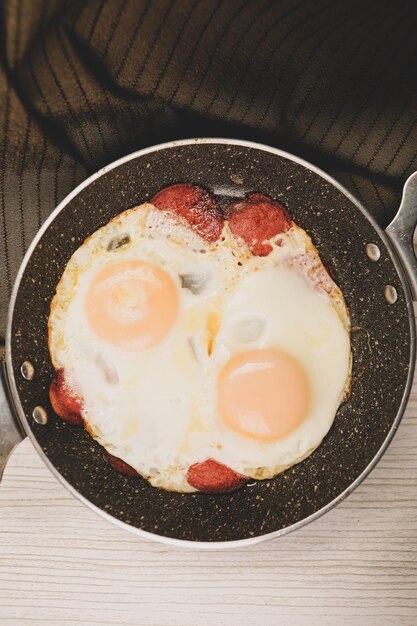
(381, 340)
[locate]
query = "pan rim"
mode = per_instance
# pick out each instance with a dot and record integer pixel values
(215, 545)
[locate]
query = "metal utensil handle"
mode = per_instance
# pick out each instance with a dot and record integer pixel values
(10, 433)
(401, 231)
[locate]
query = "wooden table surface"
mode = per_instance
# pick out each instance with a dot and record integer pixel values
(62, 564)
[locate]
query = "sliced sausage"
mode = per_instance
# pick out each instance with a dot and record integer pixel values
(256, 219)
(210, 476)
(120, 466)
(196, 205)
(66, 404)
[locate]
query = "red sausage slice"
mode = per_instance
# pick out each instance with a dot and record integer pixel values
(120, 466)
(196, 205)
(213, 477)
(65, 403)
(257, 218)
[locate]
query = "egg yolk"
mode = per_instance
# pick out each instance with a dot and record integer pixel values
(132, 304)
(263, 394)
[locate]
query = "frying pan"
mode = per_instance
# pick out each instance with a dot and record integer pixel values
(377, 273)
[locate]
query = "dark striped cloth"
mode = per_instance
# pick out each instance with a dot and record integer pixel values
(83, 83)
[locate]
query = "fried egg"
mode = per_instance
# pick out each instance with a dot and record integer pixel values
(184, 350)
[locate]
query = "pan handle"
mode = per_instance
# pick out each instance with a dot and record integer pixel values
(10, 432)
(402, 231)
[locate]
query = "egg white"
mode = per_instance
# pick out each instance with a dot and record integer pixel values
(157, 409)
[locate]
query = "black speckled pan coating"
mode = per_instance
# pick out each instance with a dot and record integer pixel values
(339, 230)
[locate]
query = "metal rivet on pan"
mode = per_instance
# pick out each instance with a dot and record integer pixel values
(27, 370)
(40, 415)
(390, 294)
(373, 252)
